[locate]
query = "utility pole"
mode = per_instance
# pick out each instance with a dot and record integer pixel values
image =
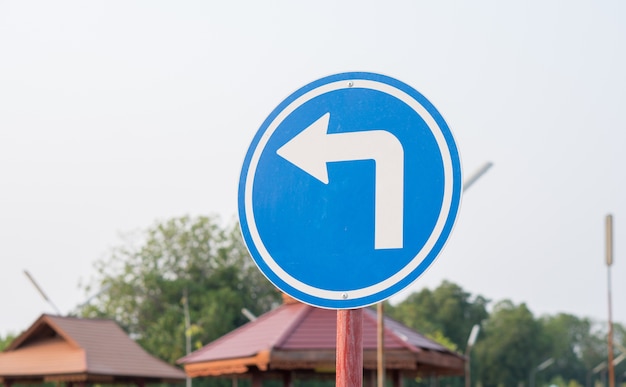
(609, 262)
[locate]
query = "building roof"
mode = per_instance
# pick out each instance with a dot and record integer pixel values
(70, 349)
(299, 336)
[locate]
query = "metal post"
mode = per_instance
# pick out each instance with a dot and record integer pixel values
(609, 262)
(476, 175)
(540, 367)
(49, 301)
(349, 361)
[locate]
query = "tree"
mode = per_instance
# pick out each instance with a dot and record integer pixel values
(595, 352)
(416, 312)
(448, 312)
(568, 339)
(6, 341)
(457, 313)
(446, 315)
(147, 276)
(510, 347)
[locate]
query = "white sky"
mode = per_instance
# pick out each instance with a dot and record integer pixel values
(116, 114)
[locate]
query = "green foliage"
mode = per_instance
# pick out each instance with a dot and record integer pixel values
(448, 312)
(509, 347)
(569, 340)
(443, 340)
(147, 277)
(149, 274)
(6, 341)
(560, 381)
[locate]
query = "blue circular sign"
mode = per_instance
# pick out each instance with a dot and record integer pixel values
(349, 190)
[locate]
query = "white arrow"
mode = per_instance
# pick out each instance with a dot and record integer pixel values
(312, 148)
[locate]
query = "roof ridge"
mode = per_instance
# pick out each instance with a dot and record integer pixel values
(56, 316)
(59, 330)
(44, 319)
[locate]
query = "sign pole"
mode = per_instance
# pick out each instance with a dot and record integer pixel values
(349, 361)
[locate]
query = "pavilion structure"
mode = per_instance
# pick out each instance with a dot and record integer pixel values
(79, 352)
(298, 341)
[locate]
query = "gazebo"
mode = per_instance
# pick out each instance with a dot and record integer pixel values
(297, 341)
(78, 351)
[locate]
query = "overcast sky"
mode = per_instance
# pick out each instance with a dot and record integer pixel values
(117, 114)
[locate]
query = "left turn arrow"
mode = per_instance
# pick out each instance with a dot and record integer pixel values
(311, 150)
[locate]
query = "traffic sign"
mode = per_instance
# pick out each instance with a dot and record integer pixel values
(349, 190)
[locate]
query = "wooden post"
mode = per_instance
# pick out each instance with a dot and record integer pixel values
(288, 379)
(349, 362)
(397, 378)
(369, 378)
(380, 347)
(256, 379)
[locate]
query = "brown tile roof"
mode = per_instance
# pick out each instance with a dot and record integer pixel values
(299, 336)
(58, 348)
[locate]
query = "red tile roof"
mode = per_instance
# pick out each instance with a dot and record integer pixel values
(58, 348)
(297, 335)
(254, 337)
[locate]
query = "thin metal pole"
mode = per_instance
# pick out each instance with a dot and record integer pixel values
(349, 361)
(609, 262)
(49, 301)
(476, 175)
(470, 343)
(610, 338)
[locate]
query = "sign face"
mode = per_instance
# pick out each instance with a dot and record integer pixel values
(349, 190)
